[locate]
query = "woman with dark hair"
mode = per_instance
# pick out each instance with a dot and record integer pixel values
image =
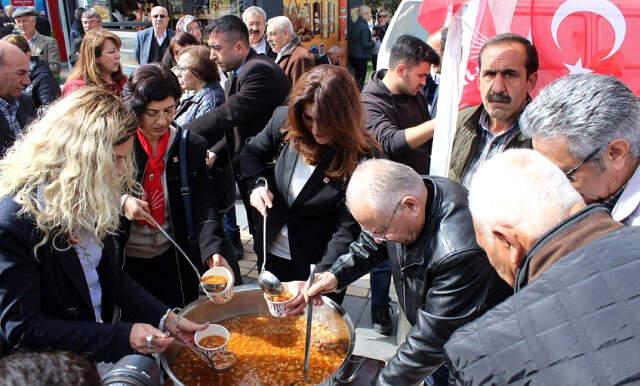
(317, 141)
(98, 63)
(177, 44)
(44, 88)
(152, 93)
(198, 74)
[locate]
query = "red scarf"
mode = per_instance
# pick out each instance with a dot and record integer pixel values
(152, 181)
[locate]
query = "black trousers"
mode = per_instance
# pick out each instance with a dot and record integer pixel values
(359, 66)
(167, 276)
(288, 270)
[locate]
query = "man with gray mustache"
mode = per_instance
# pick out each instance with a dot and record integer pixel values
(255, 18)
(508, 73)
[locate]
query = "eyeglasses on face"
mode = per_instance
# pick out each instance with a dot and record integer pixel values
(569, 173)
(381, 236)
(154, 115)
(382, 16)
(161, 16)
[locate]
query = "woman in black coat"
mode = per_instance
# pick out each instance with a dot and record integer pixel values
(44, 88)
(153, 92)
(317, 142)
(60, 274)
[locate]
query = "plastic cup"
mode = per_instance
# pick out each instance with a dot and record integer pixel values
(226, 294)
(212, 330)
(278, 309)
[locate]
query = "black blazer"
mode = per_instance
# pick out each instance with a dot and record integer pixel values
(260, 87)
(45, 302)
(26, 112)
(319, 224)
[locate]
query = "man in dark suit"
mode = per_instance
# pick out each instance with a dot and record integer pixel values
(256, 86)
(255, 18)
(153, 42)
(16, 107)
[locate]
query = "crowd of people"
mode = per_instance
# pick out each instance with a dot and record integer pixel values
(520, 266)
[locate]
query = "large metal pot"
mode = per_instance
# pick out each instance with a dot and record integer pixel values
(248, 299)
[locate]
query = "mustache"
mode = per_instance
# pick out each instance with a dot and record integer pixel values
(499, 97)
(254, 31)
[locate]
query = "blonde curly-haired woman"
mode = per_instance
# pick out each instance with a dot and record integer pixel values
(60, 278)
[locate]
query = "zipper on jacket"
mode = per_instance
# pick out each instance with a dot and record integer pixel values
(399, 249)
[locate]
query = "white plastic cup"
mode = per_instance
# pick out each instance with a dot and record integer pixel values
(213, 329)
(278, 309)
(226, 294)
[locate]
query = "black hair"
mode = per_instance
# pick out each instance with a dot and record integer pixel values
(531, 63)
(48, 368)
(411, 51)
(150, 83)
(232, 27)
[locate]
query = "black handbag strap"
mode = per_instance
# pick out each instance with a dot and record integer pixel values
(184, 185)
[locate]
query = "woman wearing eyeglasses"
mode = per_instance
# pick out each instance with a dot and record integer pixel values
(199, 76)
(380, 26)
(98, 63)
(152, 93)
(60, 275)
(317, 141)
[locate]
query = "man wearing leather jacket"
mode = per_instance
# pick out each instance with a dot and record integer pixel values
(422, 225)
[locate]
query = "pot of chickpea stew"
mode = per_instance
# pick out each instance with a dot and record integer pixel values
(269, 350)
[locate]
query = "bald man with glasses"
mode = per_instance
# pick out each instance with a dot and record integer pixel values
(423, 228)
(153, 42)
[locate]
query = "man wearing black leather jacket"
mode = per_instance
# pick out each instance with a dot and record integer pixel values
(442, 277)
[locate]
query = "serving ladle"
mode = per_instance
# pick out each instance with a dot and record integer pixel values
(205, 286)
(267, 281)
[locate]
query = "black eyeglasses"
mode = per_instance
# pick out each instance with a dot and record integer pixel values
(381, 236)
(158, 16)
(381, 16)
(569, 173)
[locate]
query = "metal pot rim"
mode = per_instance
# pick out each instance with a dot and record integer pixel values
(254, 287)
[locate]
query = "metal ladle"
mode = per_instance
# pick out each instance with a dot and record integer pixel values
(205, 286)
(267, 281)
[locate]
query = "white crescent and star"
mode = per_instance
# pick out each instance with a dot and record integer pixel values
(604, 8)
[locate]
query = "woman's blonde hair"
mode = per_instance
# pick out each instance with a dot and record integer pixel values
(61, 171)
(87, 68)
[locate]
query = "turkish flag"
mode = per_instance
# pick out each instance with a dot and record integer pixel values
(433, 13)
(578, 36)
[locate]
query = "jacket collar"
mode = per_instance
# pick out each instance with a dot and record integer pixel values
(288, 49)
(559, 241)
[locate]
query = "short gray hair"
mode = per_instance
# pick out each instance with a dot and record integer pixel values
(382, 184)
(254, 11)
(91, 14)
(588, 110)
(523, 189)
(363, 9)
(282, 23)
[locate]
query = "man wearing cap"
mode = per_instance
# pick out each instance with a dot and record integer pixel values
(153, 42)
(45, 47)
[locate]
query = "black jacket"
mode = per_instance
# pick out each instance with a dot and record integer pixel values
(45, 303)
(259, 88)
(387, 117)
(26, 112)
(44, 88)
(360, 42)
(320, 226)
(208, 230)
(443, 280)
(576, 324)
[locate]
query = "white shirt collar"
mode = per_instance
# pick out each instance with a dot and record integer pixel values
(261, 47)
(627, 208)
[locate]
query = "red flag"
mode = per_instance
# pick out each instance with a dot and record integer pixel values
(577, 36)
(433, 13)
